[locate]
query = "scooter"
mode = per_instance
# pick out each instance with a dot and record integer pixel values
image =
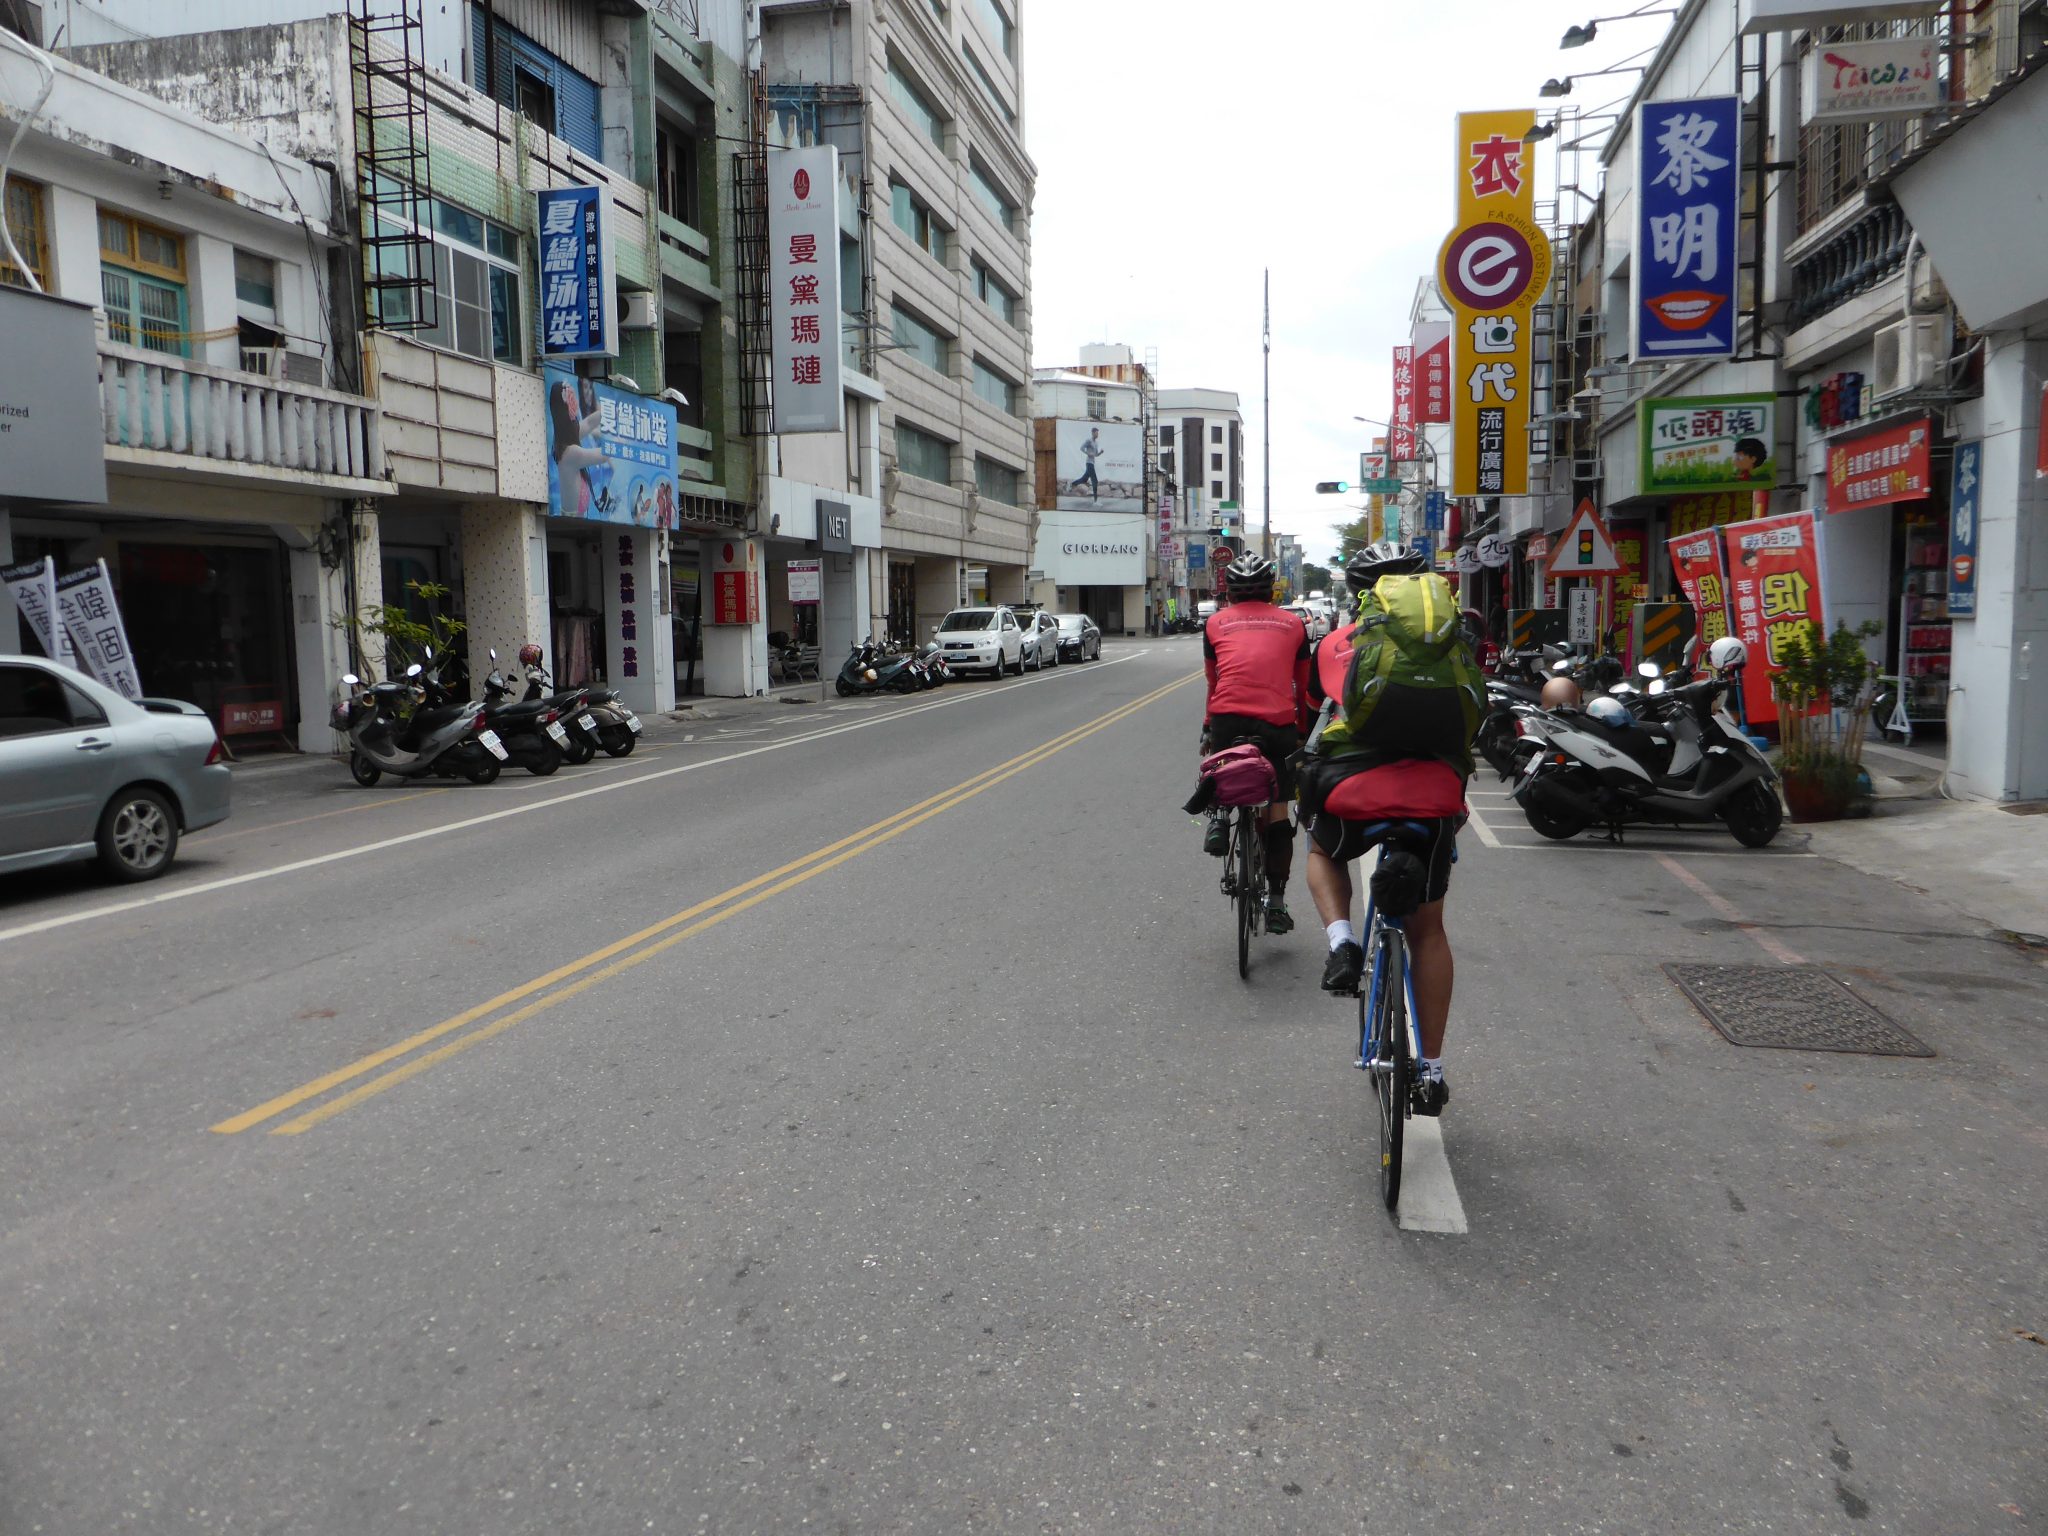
(533, 732)
(871, 669)
(596, 717)
(445, 740)
(934, 662)
(1684, 762)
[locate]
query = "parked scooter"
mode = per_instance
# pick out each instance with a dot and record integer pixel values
(450, 739)
(934, 662)
(872, 668)
(1683, 763)
(533, 732)
(596, 717)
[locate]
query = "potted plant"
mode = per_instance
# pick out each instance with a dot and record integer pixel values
(1823, 689)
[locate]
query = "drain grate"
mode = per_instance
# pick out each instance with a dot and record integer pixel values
(1790, 1008)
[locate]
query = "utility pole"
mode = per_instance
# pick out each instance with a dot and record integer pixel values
(1266, 414)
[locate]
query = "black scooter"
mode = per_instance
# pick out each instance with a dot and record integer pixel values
(533, 733)
(871, 669)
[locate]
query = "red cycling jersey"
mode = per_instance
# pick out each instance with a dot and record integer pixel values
(1256, 658)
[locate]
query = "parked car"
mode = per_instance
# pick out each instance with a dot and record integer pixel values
(1080, 640)
(982, 639)
(1312, 619)
(1205, 607)
(86, 774)
(1041, 639)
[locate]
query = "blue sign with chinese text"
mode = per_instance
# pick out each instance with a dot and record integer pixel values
(578, 296)
(611, 453)
(1426, 547)
(1682, 278)
(1965, 488)
(1433, 510)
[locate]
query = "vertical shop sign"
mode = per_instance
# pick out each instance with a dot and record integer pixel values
(1433, 503)
(1774, 591)
(579, 296)
(1402, 447)
(1492, 270)
(1683, 273)
(735, 596)
(803, 288)
(87, 607)
(1966, 487)
(1431, 345)
(629, 608)
(1894, 464)
(34, 588)
(1696, 561)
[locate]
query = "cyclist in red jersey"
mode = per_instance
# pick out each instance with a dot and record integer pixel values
(1256, 657)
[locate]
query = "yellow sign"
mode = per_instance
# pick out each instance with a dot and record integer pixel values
(1492, 272)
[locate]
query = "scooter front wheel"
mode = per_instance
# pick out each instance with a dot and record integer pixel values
(363, 771)
(1754, 815)
(839, 685)
(485, 772)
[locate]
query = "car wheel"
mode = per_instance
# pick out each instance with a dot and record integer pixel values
(1055, 656)
(138, 835)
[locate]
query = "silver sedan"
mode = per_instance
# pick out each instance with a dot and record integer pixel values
(85, 774)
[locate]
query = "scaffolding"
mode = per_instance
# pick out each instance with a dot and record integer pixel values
(394, 182)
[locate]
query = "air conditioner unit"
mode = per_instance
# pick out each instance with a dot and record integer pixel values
(1908, 352)
(638, 314)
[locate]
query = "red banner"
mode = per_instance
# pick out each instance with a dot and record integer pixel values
(1402, 446)
(1432, 364)
(1774, 587)
(1880, 467)
(1696, 562)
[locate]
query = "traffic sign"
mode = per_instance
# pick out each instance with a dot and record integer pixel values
(1387, 486)
(1585, 548)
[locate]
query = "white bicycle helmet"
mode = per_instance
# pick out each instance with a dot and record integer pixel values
(1608, 711)
(1727, 654)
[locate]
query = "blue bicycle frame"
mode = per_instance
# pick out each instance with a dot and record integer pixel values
(1369, 1049)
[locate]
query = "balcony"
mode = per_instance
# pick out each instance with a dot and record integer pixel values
(1860, 255)
(167, 413)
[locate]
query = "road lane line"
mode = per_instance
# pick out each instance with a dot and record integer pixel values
(1768, 943)
(1429, 1195)
(211, 836)
(1478, 824)
(296, 866)
(778, 880)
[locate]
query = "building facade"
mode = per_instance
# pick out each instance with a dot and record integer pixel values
(1095, 536)
(1201, 468)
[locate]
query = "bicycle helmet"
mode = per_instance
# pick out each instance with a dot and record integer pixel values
(1386, 558)
(1727, 654)
(1608, 711)
(529, 655)
(1249, 575)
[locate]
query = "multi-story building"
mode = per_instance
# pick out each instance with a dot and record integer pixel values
(947, 278)
(241, 451)
(1201, 464)
(1094, 530)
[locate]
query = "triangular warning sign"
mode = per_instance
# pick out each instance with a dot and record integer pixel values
(1585, 548)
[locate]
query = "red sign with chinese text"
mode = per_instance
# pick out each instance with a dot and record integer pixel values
(734, 598)
(1403, 444)
(1773, 589)
(1876, 468)
(1696, 562)
(1432, 367)
(251, 716)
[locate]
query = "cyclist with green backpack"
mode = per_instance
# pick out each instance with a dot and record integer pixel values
(1402, 697)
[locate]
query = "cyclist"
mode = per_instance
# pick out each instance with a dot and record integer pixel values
(1256, 657)
(1344, 797)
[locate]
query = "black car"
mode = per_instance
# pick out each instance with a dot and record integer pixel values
(1080, 639)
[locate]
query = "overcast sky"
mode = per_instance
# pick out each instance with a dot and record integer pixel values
(1318, 134)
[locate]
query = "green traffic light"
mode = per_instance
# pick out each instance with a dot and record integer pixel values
(1332, 487)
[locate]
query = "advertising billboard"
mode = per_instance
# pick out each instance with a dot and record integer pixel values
(1890, 77)
(1688, 184)
(1713, 443)
(1082, 549)
(1773, 566)
(579, 295)
(611, 453)
(52, 433)
(1101, 466)
(803, 288)
(1877, 468)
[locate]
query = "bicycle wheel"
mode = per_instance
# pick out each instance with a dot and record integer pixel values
(1244, 832)
(1392, 1072)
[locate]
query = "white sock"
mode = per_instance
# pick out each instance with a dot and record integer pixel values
(1433, 1066)
(1339, 932)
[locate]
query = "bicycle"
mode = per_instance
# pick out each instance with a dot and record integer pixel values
(1389, 1034)
(1244, 879)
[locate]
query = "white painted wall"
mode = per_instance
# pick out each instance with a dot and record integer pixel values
(444, 31)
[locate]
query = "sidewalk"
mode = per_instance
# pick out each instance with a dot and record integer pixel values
(1983, 860)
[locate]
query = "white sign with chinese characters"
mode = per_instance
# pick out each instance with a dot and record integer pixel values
(85, 602)
(803, 288)
(34, 588)
(806, 581)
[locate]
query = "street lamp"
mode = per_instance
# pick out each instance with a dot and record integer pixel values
(1578, 37)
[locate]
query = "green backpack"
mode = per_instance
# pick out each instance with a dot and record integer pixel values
(1413, 689)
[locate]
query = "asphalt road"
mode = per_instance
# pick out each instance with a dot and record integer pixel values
(849, 1118)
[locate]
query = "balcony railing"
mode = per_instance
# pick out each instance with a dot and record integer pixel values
(273, 427)
(1859, 257)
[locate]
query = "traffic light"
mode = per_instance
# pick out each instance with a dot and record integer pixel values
(1332, 487)
(1585, 546)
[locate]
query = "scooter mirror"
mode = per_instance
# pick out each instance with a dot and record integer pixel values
(1649, 669)
(427, 651)
(351, 679)
(1562, 666)
(494, 655)
(413, 670)
(1657, 687)
(1622, 690)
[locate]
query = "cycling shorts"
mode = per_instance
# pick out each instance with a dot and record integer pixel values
(1344, 841)
(1279, 743)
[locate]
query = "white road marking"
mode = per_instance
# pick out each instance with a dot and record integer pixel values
(1478, 824)
(204, 887)
(1608, 849)
(1429, 1195)
(1713, 898)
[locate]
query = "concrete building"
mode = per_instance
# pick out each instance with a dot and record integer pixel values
(948, 280)
(1201, 465)
(243, 455)
(1095, 535)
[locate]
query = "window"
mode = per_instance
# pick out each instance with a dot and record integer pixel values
(917, 339)
(534, 97)
(915, 104)
(914, 217)
(33, 701)
(994, 388)
(998, 482)
(1216, 461)
(255, 282)
(1166, 437)
(675, 174)
(994, 294)
(1216, 489)
(1215, 434)
(992, 196)
(476, 285)
(142, 283)
(25, 224)
(1166, 462)
(922, 454)
(988, 85)
(1001, 30)
(1098, 405)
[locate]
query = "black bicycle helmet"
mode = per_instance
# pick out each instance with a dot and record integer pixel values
(1386, 558)
(1249, 574)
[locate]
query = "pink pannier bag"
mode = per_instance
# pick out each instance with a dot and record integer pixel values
(1242, 776)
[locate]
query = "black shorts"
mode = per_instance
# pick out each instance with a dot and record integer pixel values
(1437, 845)
(1280, 743)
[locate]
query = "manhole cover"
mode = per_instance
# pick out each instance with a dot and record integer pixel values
(1791, 1008)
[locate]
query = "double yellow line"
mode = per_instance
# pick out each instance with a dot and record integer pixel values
(614, 959)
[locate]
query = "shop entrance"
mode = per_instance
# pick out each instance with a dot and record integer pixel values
(902, 602)
(207, 623)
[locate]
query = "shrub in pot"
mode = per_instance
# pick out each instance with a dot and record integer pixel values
(1823, 692)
